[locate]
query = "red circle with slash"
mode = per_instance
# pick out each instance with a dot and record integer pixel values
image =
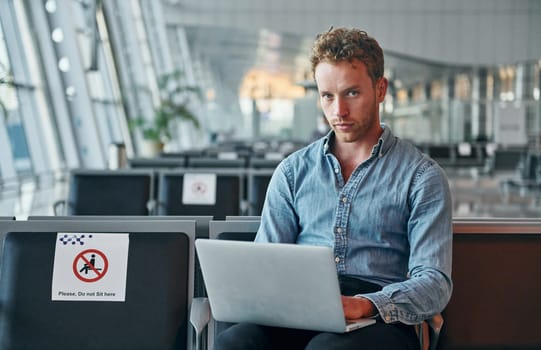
(90, 267)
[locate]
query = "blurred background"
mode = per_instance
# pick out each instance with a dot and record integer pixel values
(121, 84)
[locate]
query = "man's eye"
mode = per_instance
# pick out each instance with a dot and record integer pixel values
(353, 93)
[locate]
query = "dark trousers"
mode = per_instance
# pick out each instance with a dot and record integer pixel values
(244, 336)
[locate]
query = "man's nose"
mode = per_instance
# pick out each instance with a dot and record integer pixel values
(340, 108)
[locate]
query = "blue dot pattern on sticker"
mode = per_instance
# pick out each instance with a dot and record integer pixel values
(74, 239)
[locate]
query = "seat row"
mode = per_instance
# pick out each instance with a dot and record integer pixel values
(489, 158)
(80, 310)
(235, 160)
(204, 191)
(496, 264)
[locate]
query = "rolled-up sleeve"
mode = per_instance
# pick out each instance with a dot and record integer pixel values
(429, 286)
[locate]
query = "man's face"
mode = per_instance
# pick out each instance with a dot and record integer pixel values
(349, 99)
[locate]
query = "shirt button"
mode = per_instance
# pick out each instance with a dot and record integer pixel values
(344, 199)
(339, 229)
(337, 260)
(336, 170)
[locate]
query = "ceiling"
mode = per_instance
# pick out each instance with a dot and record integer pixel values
(231, 53)
(423, 40)
(471, 32)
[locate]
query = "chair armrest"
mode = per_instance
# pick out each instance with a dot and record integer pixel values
(59, 207)
(435, 323)
(423, 335)
(200, 314)
(152, 206)
(428, 332)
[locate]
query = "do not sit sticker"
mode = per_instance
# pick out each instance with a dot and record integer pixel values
(90, 266)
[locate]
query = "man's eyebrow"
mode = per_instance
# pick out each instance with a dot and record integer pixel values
(347, 88)
(350, 88)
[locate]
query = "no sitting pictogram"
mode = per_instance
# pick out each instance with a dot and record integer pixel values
(199, 188)
(90, 265)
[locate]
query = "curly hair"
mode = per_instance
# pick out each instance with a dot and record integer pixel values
(342, 44)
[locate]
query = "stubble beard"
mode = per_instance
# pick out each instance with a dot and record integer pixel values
(359, 133)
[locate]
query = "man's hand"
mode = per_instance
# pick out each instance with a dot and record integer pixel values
(358, 307)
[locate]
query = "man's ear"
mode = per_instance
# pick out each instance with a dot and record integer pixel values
(381, 88)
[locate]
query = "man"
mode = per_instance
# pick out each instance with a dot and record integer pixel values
(383, 206)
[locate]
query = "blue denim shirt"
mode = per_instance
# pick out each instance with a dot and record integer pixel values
(390, 223)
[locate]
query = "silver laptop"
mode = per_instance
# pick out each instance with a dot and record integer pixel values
(282, 285)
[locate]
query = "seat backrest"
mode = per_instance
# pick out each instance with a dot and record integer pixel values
(531, 164)
(154, 314)
(263, 163)
(201, 231)
(444, 154)
(469, 154)
(201, 221)
(507, 159)
(243, 217)
(228, 194)
(110, 192)
(239, 230)
(5, 226)
(5, 221)
(214, 162)
(496, 269)
(258, 181)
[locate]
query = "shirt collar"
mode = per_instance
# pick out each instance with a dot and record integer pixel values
(327, 142)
